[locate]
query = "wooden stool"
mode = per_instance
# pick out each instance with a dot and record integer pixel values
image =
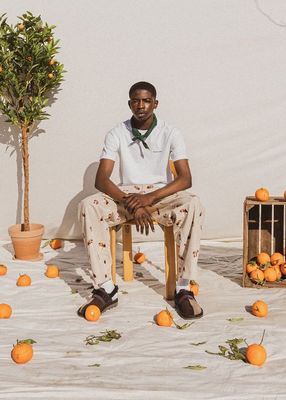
(170, 259)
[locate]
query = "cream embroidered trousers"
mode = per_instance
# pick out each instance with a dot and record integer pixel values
(183, 210)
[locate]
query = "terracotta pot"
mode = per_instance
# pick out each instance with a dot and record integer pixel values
(27, 244)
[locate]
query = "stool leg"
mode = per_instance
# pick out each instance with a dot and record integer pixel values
(127, 252)
(113, 253)
(170, 263)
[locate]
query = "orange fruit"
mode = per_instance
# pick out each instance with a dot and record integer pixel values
(164, 318)
(256, 354)
(194, 287)
(139, 258)
(22, 353)
(52, 61)
(259, 308)
(55, 244)
(1, 69)
(278, 272)
(251, 267)
(5, 310)
(285, 195)
(257, 276)
(50, 75)
(92, 313)
(270, 274)
(3, 270)
(52, 271)
(283, 269)
(276, 259)
(262, 258)
(24, 280)
(262, 194)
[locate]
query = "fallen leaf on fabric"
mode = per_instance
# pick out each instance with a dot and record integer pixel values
(198, 343)
(106, 336)
(197, 367)
(234, 320)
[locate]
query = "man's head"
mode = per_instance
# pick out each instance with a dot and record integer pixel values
(142, 100)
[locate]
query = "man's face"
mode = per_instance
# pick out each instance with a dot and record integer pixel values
(142, 104)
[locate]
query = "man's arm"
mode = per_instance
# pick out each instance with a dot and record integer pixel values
(182, 181)
(103, 181)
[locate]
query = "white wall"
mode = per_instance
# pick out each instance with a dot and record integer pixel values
(219, 67)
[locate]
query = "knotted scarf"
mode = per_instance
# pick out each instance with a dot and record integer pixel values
(138, 136)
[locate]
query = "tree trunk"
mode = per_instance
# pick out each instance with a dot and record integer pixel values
(25, 158)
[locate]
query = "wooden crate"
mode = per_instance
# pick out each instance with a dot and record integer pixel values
(264, 229)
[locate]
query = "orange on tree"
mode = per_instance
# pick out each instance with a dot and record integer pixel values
(24, 280)
(22, 352)
(276, 259)
(251, 267)
(194, 287)
(270, 274)
(256, 354)
(52, 61)
(92, 313)
(1, 69)
(283, 269)
(5, 311)
(257, 276)
(164, 318)
(262, 194)
(50, 75)
(139, 258)
(52, 271)
(3, 270)
(262, 258)
(21, 26)
(259, 308)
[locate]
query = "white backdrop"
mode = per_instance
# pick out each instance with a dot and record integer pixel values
(219, 68)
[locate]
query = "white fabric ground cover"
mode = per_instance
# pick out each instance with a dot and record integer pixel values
(148, 361)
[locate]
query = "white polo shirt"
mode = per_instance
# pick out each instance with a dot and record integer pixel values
(144, 166)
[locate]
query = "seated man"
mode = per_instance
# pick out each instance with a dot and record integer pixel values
(146, 193)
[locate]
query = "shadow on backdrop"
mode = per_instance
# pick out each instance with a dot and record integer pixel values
(70, 227)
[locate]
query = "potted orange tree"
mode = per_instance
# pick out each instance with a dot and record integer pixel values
(29, 77)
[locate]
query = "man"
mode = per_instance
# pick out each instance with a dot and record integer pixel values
(146, 193)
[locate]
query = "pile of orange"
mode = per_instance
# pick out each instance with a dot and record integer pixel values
(266, 268)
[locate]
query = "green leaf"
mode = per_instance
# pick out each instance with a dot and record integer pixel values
(236, 319)
(184, 326)
(198, 343)
(233, 352)
(196, 367)
(106, 336)
(28, 341)
(123, 292)
(94, 365)
(139, 274)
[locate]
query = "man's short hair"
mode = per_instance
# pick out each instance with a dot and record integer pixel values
(143, 86)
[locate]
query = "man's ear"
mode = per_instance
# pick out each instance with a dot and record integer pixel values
(156, 103)
(129, 104)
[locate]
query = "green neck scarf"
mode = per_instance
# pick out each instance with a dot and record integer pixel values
(138, 136)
